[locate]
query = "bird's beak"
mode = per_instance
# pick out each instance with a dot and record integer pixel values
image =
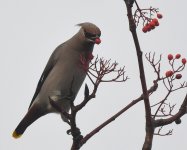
(96, 40)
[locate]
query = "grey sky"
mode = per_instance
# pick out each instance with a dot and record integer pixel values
(31, 30)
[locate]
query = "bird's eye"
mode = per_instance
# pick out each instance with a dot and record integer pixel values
(89, 35)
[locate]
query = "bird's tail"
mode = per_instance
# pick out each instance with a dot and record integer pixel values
(32, 115)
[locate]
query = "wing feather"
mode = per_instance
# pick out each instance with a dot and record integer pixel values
(51, 63)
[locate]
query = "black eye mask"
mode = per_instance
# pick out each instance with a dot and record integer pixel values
(90, 35)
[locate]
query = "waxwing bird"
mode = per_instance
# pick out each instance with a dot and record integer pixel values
(62, 76)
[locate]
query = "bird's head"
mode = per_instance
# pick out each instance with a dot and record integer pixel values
(90, 32)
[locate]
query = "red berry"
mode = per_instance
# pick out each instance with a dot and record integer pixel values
(144, 29)
(178, 76)
(98, 41)
(184, 61)
(170, 57)
(152, 27)
(159, 16)
(155, 20)
(169, 73)
(157, 24)
(152, 23)
(177, 56)
(148, 27)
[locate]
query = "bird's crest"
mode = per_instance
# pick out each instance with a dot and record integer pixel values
(90, 28)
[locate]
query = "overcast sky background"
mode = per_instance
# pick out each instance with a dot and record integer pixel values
(31, 30)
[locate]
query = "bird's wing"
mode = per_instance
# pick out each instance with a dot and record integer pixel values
(51, 63)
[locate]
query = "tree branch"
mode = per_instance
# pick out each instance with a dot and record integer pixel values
(177, 116)
(149, 126)
(96, 130)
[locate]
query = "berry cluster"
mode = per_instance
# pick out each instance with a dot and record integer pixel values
(170, 73)
(152, 24)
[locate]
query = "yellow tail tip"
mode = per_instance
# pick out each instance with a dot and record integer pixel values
(16, 135)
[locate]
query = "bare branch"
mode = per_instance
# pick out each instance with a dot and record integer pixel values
(178, 115)
(149, 125)
(96, 130)
(100, 68)
(165, 134)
